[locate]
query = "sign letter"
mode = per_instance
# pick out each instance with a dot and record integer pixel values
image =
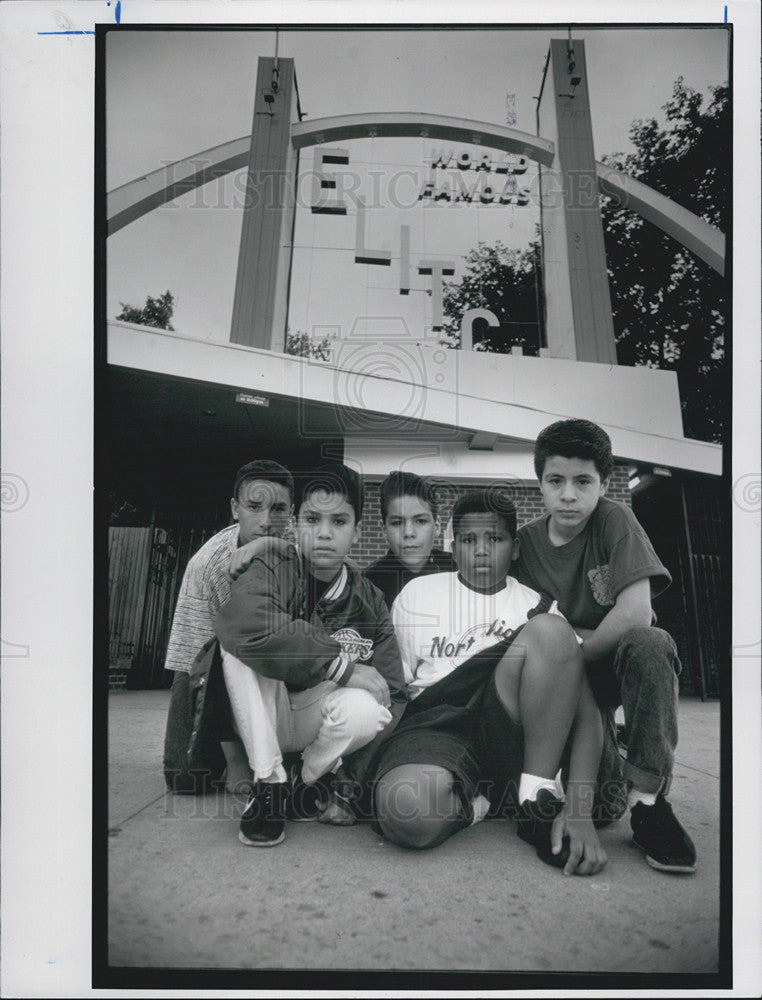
(363, 256)
(325, 181)
(437, 269)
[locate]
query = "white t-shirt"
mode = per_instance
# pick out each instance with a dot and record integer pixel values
(441, 622)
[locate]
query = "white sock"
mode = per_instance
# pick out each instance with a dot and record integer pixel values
(635, 795)
(530, 784)
(481, 808)
(277, 776)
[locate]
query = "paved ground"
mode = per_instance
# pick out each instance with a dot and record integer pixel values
(183, 892)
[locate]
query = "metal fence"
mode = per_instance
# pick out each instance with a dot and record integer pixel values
(146, 567)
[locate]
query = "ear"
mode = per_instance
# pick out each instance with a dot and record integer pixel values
(358, 532)
(605, 485)
(234, 508)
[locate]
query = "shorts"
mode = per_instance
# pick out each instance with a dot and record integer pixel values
(484, 752)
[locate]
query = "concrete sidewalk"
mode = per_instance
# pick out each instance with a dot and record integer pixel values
(184, 893)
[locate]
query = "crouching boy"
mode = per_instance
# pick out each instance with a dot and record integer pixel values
(594, 557)
(309, 657)
(497, 688)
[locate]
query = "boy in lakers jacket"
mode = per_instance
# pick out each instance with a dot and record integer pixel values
(309, 657)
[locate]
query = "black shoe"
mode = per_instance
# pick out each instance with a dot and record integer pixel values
(535, 822)
(656, 831)
(305, 802)
(342, 796)
(263, 819)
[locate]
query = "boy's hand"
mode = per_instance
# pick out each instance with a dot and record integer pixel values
(586, 857)
(244, 556)
(365, 676)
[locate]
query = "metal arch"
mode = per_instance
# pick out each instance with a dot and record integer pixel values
(129, 202)
(414, 125)
(700, 237)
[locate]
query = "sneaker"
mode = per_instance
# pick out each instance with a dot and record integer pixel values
(656, 830)
(535, 822)
(263, 819)
(305, 802)
(342, 795)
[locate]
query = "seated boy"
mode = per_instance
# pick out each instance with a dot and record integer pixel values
(309, 655)
(261, 506)
(497, 686)
(593, 556)
(410, 517)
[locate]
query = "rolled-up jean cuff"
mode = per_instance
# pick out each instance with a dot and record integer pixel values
(646, 781)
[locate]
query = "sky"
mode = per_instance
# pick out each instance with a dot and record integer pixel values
(175, 93)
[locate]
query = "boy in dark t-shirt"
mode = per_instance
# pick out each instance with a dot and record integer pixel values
(593, 556)
(409, 512)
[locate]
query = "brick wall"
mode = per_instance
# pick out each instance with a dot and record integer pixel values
(528, 501)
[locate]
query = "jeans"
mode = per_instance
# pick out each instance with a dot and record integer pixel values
(642, 677)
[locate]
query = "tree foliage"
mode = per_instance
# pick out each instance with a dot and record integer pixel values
(668, 306)
(156, 312)
(508, 283)
(301, 344)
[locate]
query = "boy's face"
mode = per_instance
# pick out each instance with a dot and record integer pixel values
(482, 549)
(326, 530)
(261, 508)
(410, 529)
(571, 489)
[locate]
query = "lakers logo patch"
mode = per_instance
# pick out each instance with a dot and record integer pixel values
(353, 644)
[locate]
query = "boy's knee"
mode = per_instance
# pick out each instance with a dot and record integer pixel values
(647, 652)
(418, 835)
(548, 644)
(356, 709)
(648, 637)
(416, 808)
(550, 633)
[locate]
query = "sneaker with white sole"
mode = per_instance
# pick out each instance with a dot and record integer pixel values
(656, 830)
(263, 819)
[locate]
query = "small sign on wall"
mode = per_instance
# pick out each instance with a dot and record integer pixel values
(247, 397)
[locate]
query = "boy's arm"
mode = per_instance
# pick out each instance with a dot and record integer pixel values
(202, 590)
(586, 855)
(256, 626)
(386, 653)
(245, 554)
(405, 633)
(632, 608)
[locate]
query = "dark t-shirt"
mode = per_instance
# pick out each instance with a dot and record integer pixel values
(586, 574)
(390, 576)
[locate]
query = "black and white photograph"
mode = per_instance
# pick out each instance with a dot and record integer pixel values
(419, 401)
